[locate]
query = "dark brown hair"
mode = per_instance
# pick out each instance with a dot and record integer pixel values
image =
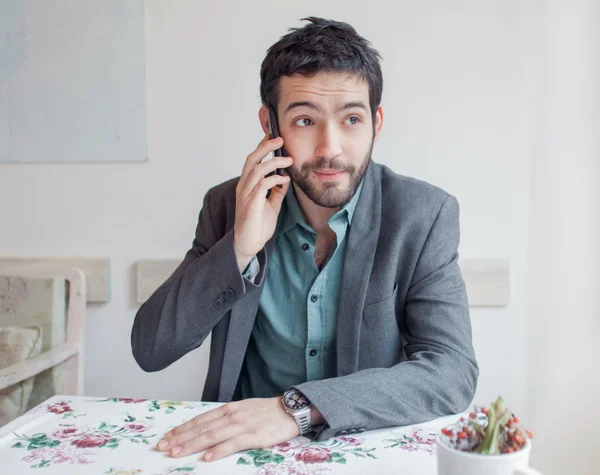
(321, 45)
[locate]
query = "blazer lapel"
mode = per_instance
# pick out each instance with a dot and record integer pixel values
(241, 322)
(360, 253)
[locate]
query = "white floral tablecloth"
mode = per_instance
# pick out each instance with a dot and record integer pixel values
(86, 435)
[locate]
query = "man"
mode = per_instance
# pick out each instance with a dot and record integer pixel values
(336, 305)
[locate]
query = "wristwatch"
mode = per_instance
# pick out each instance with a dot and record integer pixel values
(298, 406)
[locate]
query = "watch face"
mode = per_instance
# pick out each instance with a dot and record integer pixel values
(295, 400)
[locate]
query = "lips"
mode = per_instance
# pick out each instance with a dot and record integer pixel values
(329, 174)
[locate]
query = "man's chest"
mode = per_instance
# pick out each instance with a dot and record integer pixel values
(303, 284)
(324, 245)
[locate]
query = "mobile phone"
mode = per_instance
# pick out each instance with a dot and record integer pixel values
(274, 128)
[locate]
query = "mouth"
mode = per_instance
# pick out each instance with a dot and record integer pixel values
(329, 175)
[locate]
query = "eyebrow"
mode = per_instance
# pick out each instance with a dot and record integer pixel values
(312, 105)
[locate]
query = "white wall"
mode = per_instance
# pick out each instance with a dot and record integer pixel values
(458, 96)
(564, 310)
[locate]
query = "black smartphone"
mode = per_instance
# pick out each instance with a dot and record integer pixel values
(274, 127)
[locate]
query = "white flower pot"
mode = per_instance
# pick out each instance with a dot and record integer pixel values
(456, 462)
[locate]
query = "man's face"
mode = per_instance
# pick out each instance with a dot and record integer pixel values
(326, 123)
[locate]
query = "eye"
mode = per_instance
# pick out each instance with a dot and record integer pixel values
(353, 120)
(303, 122)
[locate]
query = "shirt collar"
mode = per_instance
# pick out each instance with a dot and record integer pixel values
(291, 214)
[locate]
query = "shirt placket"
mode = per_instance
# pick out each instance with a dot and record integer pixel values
(313, 302)
(314, 341)
(316, 315)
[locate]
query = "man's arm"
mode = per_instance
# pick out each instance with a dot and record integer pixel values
(182, 312)
(440, 374)
(208, 283)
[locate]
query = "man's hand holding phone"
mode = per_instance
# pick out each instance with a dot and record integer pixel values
(256, 214)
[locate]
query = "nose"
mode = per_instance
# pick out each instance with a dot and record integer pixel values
(329, 145)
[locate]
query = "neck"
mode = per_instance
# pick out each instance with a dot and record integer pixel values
(316, 216)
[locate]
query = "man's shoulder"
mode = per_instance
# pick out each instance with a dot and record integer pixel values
(224, 191)
(408, 192)
(220, 200)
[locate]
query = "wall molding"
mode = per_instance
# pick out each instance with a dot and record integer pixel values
(487, 280)
(96, 270)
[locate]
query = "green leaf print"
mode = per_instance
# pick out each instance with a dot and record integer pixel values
(38, 442)
(42, 464)
(268, 458)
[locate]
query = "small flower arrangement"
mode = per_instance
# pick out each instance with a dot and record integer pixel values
(490, 431)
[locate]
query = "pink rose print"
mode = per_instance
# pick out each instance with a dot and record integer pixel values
(418, 440)
(90, 441)
(57, 455)
(131, 401)
(38, 454)
(60, 408)
(350, 440)
(290, 445)
(314, 455)
(68, 432)
(133, 427)
(424, 437)
(290, 467)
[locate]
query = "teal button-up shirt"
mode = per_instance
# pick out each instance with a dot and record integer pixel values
(294, 335)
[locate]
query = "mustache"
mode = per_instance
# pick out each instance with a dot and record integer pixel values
(325, 164)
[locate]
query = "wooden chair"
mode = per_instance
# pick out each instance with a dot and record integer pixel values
(66, 355)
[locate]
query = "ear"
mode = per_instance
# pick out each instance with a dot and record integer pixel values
(378, 123)
(263, 117)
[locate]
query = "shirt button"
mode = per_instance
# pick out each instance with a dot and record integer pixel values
(313, 352)
(313, 298)
(305, 246)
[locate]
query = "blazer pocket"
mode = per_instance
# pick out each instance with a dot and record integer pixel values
(381, 308)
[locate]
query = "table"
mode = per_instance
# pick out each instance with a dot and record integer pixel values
(88, 435)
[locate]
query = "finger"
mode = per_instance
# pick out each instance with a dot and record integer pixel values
(277, 195)
(200, 419)
(195, 431)
(268, 183)
(264, 148)
(207, 440)
(262, 170)
(241, 442)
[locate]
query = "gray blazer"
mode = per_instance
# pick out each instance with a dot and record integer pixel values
(404, 348)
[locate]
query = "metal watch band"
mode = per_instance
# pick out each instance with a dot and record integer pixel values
(303, 421)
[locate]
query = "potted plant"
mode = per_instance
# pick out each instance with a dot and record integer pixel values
(490, 441)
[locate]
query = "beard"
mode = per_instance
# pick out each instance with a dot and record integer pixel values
(331, 195)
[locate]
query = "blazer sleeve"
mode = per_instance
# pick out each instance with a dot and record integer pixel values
(439, 376)
(181, 313)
